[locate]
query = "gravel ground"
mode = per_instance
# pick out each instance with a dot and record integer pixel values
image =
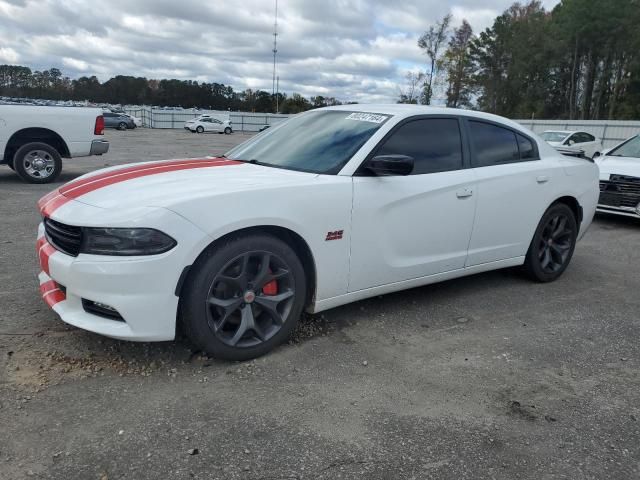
(490, 376)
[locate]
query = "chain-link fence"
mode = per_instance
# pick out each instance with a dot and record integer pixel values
(240, 121)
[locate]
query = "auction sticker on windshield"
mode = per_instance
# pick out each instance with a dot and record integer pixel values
(367, 117)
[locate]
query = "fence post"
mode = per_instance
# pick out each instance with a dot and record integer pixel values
(604, 134)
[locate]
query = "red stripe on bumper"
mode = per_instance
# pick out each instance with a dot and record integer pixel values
(54, 297)
(43, 254)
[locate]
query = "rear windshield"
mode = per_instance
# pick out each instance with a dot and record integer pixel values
(553, 136)
(319, 142)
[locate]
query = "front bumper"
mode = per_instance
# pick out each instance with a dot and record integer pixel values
(98, 147)
(141, 289)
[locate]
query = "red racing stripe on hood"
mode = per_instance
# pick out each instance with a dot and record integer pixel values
(54, 200)
(136, 168)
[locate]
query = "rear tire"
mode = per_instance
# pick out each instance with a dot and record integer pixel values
(553, 244)
(243, 297)
(37, 162)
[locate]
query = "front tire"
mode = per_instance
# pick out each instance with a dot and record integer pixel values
(243, 297)
(200, 129)
(37, 162)
(227, 130)
(553, 244)
(122, 126)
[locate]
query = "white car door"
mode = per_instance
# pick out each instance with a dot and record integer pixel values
(407, 227)
(514, 188)
(216, 125)
(206, 123)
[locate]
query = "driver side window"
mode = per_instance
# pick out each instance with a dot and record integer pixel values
(434, 144)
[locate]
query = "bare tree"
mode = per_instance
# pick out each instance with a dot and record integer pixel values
(412, 91)
(432, 42)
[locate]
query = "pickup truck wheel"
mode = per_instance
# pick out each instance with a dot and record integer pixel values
(122, 126)
(37, 163)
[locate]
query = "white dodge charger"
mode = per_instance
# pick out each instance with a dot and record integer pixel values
(332, 206)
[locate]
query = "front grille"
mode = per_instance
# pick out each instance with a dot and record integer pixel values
(65, 238)
(620, 191)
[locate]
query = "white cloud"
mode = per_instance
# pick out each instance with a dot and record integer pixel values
(9, 55)
(352, 49)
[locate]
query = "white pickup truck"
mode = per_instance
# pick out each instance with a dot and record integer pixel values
(33, 140)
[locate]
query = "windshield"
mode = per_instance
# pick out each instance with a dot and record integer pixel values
(553, 136)
(631, 148)
(319, 142)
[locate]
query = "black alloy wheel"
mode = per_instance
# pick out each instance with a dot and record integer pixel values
(243, 296)
(250, 298)
(553, 244)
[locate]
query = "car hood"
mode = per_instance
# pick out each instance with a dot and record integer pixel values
(628, 166)
(556, 144)
(168, 183)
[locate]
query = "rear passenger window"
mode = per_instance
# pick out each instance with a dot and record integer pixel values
(434, 144)
(527, 151)
(493, 145)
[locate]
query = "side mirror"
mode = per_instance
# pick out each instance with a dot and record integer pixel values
(605, 151)
(390, 165)
(570, 142)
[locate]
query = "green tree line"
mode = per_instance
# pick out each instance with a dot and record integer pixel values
(579, 61)
(20, 81)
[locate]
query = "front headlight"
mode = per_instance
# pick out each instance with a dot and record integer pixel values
(125, 241)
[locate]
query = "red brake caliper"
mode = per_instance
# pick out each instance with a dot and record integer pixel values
(270, 288)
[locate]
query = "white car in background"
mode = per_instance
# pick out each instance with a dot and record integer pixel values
(329, 207)
(620, 179)
(209, 124)
(572, 140)
(136, 120)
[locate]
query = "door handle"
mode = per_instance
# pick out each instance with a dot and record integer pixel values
(464, 193)
(542, 179)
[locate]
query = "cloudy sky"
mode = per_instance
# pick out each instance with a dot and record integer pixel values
(352, 49)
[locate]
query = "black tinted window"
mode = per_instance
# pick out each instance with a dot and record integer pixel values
(527, 150)
(434, 144)
(493, 145)
(583, 137)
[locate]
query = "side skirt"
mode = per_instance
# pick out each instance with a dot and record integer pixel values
(332, 302)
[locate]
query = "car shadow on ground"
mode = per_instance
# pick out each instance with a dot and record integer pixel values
(611, 221)
(63, 353)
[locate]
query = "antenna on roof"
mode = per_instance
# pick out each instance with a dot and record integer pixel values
(275, 50)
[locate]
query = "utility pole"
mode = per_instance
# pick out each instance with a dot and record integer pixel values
(275, 51)
(277, 93)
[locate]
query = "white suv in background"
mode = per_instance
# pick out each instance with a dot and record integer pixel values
(572, 140)
(209, 124)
